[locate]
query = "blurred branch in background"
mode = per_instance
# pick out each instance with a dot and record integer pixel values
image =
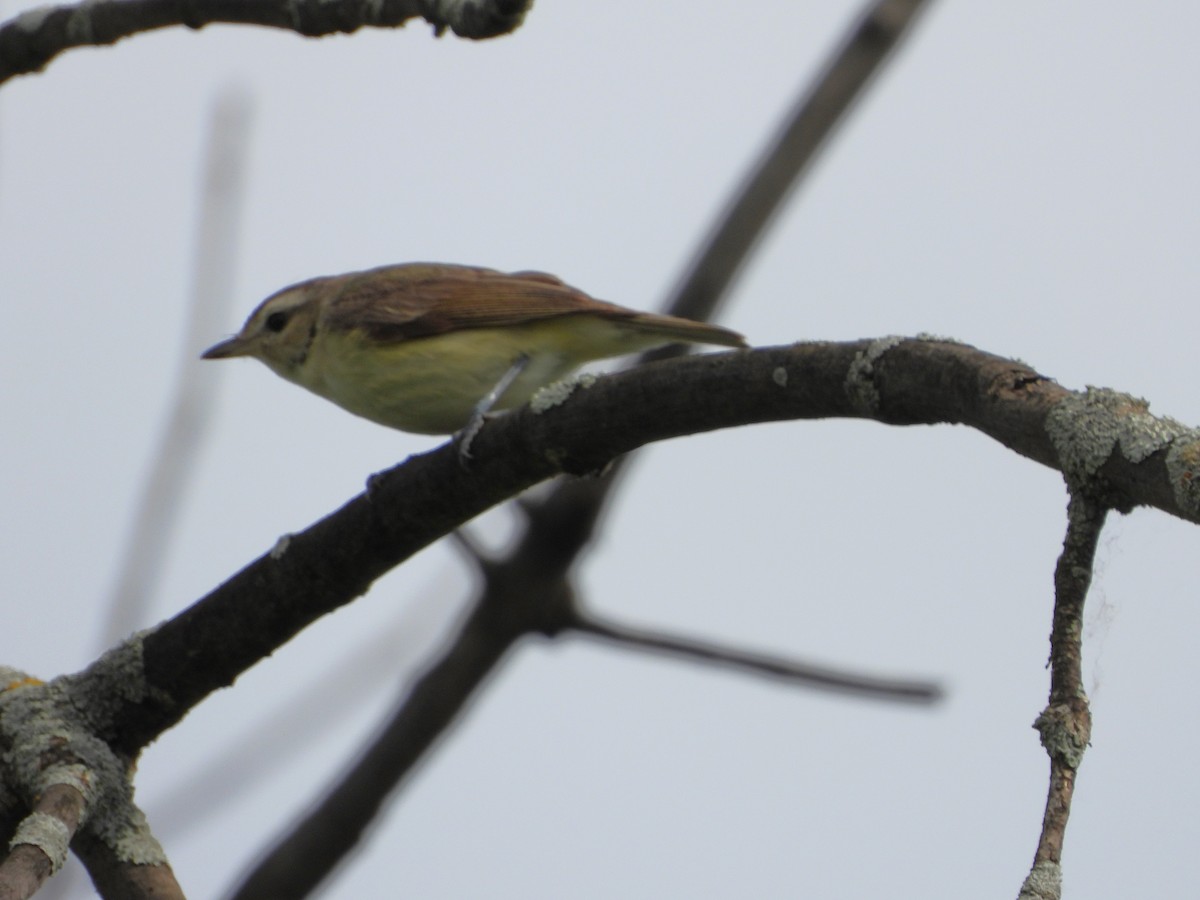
(800, 674)
(222, 196)
(776, 175)
(365, 672)
(530, 591)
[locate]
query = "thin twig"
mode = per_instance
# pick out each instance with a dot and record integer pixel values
(1066, 723)
(806, 674)
(39, 847)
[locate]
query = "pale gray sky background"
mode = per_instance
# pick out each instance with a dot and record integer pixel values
(1023, 177)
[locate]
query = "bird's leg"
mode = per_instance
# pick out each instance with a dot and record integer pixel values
(485, 404)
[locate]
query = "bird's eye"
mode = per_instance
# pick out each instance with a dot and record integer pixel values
(276, 321)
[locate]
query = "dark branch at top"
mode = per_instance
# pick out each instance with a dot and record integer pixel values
(32, 39)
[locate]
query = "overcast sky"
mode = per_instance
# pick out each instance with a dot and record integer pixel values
(1022, 177)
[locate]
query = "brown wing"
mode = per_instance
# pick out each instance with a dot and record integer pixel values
(397, 303)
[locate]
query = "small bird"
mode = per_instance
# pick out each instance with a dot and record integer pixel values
(431, 348)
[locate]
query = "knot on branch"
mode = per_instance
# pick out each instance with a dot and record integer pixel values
(1066, 729)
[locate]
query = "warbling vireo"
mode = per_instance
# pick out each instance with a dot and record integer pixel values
(430, 348)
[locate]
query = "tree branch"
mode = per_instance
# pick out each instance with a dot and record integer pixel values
(39, 847)
(901, 382)
(789, 670)
(135, 692)
(1066, 723)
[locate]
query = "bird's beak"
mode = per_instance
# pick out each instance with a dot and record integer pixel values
(235, 346)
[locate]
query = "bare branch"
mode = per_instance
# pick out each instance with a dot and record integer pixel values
(119, 879)
(39, 847)
(891, 380)
(33, 38)
(23, 872)
(790, 670)
(1127, 455)
(897, 381)
(529, 592)
(1066, 723)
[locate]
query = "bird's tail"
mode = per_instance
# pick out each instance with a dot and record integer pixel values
(687, 331)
